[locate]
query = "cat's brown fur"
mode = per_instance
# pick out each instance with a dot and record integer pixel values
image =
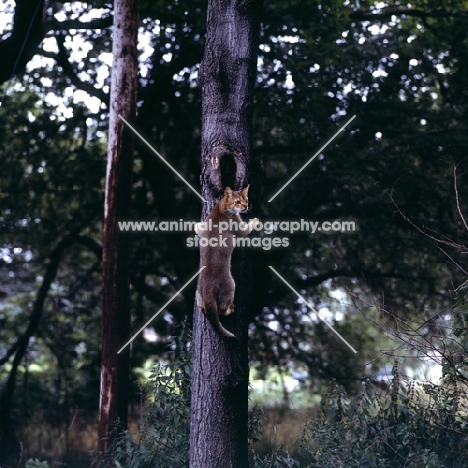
(216, 286)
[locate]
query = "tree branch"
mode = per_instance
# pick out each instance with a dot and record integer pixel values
(29, 31)
(342, 273)
(389, 12)
(64, 62)
(99, 23)
(457, 198)
(18, 49)
(9, 353)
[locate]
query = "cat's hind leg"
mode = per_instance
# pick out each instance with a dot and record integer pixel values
(227, 306)
(229, 311)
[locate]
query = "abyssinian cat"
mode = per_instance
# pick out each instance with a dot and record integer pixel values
(216, 286)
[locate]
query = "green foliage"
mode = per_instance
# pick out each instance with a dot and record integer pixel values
(54, 165)
(455, 359)
(410, 425)
(163, 431)
(403, 75)
(278, 459)
(35, 463)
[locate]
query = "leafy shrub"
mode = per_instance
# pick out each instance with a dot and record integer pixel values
(162, 439)
(35, 463)
(412, 425)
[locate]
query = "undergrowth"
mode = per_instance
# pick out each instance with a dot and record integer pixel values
(410, 424)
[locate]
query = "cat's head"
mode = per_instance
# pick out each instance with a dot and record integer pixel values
(234, 202)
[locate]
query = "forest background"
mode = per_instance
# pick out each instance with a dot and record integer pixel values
(397, 172)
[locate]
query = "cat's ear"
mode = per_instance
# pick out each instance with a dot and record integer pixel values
(228, 192)
(246, 190)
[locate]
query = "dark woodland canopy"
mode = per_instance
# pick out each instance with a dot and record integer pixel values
(397, 172)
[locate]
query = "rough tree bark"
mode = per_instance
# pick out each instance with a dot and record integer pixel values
(219, 406)
(115, 255)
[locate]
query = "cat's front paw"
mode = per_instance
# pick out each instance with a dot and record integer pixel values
(199, 229)
(253, 223)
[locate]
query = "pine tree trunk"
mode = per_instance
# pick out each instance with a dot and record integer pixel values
(220, 372)
(115, 258)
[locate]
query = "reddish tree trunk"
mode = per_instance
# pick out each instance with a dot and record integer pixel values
(115, 257)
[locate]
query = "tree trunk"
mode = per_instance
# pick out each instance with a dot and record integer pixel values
(115, 255)
(220, 372)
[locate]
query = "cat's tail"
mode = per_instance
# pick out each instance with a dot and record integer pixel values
(211, 312)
